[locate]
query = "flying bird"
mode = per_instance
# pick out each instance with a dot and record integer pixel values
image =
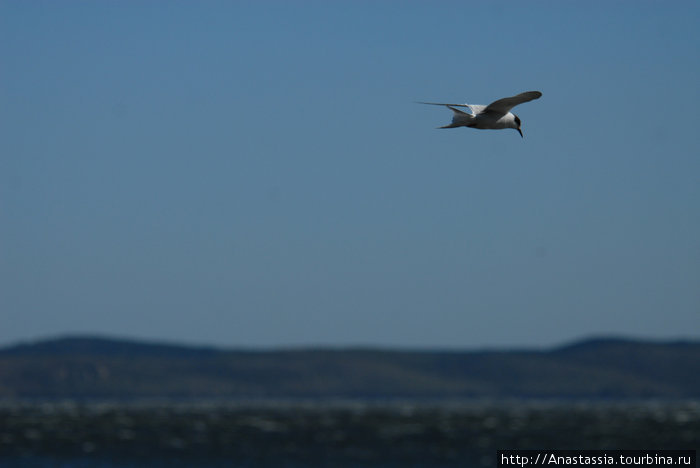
(495, 116)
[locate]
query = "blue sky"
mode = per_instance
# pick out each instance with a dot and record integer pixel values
(258, 173)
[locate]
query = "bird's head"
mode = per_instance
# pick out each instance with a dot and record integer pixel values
(517, 126)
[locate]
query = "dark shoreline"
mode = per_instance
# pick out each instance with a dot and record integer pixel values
(97, 368)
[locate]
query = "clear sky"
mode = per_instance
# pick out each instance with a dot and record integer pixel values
(258, 173)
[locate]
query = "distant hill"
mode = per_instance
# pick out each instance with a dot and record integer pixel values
(90, 367)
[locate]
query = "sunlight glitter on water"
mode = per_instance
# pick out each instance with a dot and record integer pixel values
(350, 433)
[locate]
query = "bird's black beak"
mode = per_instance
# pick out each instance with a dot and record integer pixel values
(520, 132)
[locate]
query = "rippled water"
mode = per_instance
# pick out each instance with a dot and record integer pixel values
(338, 434)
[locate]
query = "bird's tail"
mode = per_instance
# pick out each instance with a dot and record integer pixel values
(459, 118)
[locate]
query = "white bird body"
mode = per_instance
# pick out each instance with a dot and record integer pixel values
(495, 116)
(483, 121)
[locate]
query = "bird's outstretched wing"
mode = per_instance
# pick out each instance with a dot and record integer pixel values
(442, 104)
(473, 108)
(504, 105)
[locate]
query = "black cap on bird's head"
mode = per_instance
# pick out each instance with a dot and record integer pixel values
(517, 122)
